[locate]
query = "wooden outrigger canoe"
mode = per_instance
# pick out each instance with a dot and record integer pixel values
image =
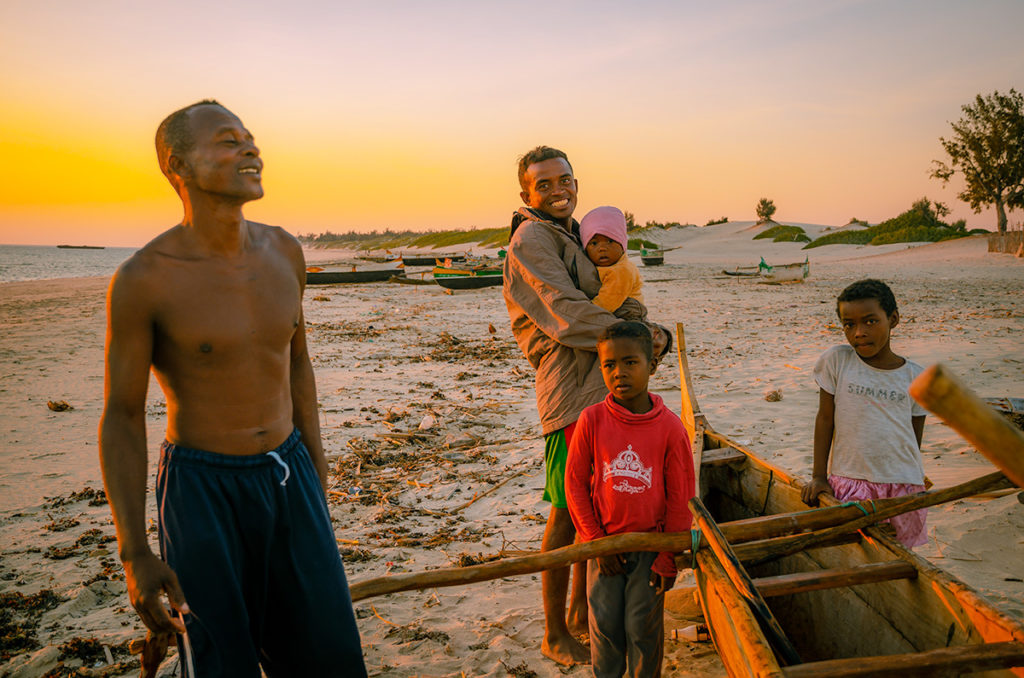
(867, 607)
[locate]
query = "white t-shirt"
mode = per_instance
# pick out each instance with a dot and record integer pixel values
(874, 438)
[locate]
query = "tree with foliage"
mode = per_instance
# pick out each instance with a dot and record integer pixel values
(630, 220)
(987, 148)
(765, 210)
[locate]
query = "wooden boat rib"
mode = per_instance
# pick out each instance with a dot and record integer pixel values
(927, 624)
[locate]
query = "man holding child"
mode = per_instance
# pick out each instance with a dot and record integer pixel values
(548, 285)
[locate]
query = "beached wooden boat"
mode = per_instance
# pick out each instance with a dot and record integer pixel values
(472, 281)
(785, 272)
(866, 607)
(318, 276)
(474, 273)
(418, 260)
(652, 257)
(743, 271)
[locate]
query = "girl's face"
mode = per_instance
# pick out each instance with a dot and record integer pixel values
(867, 327)
(603, 251)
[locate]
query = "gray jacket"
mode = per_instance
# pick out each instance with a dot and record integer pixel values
(548, 285)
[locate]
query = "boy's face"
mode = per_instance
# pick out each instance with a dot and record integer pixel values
(867, 327)
(603, 251)
(626, 370)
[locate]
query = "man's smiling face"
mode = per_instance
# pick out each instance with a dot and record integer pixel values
(551, 188)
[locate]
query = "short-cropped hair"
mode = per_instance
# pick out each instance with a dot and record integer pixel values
(539, 154)
(630, 329)
(174, 136)
(869, 288)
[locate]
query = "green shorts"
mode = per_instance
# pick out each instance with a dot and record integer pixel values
(556, 452)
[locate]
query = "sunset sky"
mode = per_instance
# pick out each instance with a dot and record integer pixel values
(412, 114)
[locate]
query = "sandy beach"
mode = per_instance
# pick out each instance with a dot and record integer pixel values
(427, 404)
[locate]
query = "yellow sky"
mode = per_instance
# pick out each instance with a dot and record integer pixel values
(411, 115)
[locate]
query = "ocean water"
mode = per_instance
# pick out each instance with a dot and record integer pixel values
(37, 262)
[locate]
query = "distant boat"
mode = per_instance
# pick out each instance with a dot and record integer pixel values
(80, 247)
(785, 272)
(474, 273)
(419, 260)
(315, 275)
(652, 257)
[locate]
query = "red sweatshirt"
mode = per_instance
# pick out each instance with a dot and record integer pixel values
(630, 473)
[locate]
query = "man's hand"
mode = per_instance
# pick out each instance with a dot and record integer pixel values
(813, 489)
(148, 579)
(660, 583)
(610, 565)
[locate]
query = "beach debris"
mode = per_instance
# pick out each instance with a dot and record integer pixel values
(520, 670)
(59, 405)
(773, 395)
(19, 620)
(61, 524)
(93, 496)
(427, 422)
(490, 328)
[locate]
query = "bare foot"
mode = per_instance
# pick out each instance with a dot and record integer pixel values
(565, 650)
(578, 628)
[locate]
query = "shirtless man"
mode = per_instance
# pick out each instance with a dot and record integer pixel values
(214, 307)
(548, 284)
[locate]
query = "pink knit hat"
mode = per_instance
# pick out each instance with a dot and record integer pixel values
(607, 221)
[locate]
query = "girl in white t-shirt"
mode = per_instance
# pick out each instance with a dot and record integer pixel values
(868, 429)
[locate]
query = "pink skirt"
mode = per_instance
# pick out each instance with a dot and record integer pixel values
(910, 527)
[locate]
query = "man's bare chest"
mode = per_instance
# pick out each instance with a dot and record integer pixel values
(204, 310)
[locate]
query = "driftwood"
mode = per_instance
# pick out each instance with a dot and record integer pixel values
(839, 532)
(943, 393)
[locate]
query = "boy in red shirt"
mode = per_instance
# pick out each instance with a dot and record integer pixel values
(629, 470)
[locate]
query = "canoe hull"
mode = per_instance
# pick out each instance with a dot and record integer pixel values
(336, 277)
(467, 282)
(930, 611)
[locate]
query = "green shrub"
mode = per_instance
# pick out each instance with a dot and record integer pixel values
(782, 233)
(641, 244)
(714, 222)
(921, 223)
(862, 237)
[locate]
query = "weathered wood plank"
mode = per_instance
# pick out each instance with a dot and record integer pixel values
(741, 644)
(943, 393)
(947, 661)
(786, 584)
(741, 580)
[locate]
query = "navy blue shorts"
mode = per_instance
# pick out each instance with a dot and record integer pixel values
(251, 541)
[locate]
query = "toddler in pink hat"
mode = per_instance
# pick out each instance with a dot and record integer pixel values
(603, 233)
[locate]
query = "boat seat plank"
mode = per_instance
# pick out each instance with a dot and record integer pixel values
(941, 662)
(722, 456)
(786, 584)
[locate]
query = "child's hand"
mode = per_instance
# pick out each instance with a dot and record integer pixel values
(660, 583)
(610, 565)
(813, 489)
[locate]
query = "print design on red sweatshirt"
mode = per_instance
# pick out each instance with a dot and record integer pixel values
(627, 465)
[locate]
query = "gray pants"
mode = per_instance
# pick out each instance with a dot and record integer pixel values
(627, 626)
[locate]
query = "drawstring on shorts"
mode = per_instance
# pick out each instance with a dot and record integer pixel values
(287, 471)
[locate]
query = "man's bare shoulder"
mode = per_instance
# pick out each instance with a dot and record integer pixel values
(146, 263)
(278, 242)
